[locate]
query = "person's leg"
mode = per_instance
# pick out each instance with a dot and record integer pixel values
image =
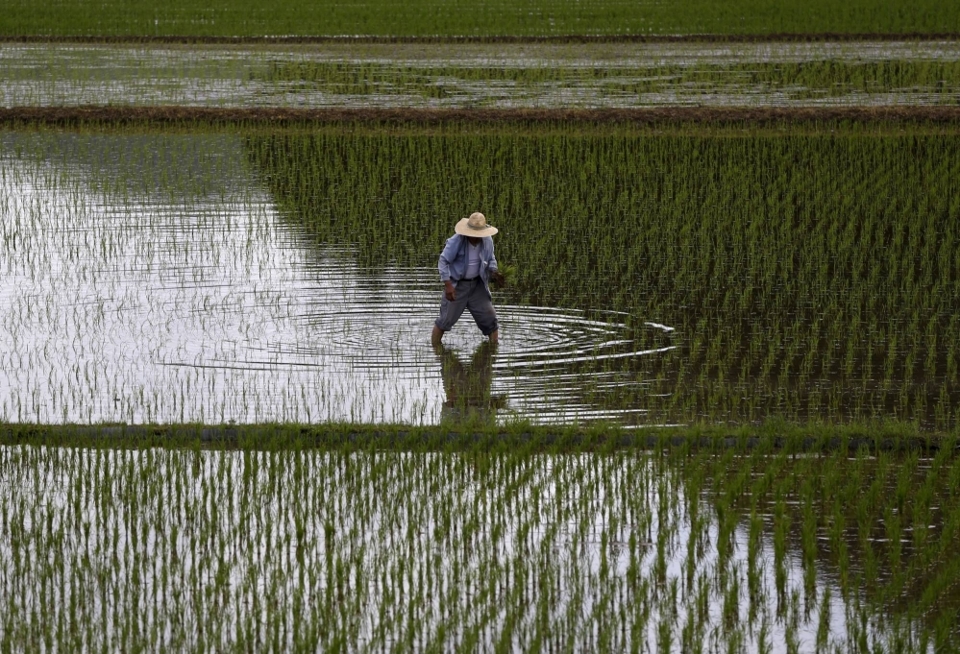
(450, 313)
(481, 308)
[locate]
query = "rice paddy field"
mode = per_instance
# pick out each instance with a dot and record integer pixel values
(525, 75)
(724, 412)
(248, 18)
(661, 278)
(312, 550)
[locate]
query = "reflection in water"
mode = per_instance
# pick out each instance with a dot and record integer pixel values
(442, 551)
(150, 278)
(476, 74)
(467, 387)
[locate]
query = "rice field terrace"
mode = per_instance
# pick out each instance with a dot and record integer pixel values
(723, 414)
(661, 278)
(312, 550)
(482, 75)
(432, 18)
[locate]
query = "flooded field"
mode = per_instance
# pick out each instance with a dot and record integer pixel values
(320, 551)
(222, 276)
(468, 75)
(799, 278)
(751, 273)
(151, 278)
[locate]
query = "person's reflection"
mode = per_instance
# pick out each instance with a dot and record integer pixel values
(468, 386)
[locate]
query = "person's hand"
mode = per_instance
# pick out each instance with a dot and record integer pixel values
(449, 290)
(498, 279)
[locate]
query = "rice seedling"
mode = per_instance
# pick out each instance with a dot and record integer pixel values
(613, 83)
(292, 549)
(804, 283)
(855, 535)
(432, 18)
(445, 76)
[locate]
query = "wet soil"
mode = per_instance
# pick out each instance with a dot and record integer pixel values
(562, 38)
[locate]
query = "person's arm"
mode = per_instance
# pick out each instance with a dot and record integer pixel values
(448, 254)
(493, 270)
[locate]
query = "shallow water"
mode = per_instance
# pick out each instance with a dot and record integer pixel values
(272, 550)
(436, 75)
(218, 276)
(149, 278)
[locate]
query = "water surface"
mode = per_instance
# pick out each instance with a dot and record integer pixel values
(284, 550)
(149, 278)
(592, 75)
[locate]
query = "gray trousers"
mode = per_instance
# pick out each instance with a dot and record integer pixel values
(473, 296)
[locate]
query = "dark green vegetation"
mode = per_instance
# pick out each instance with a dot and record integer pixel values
(887, 525)
(939, 81)
(810, 276)
(228, 18)
(771, 436)
(345, 549)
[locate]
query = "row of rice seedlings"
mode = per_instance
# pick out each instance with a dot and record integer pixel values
(91, 220)
(370, 551)
(880, 525)
(450, 75)
(809, 276)
(137, 264)
(835, 78)
(432, 18)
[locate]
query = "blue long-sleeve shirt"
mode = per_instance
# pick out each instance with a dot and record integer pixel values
(453, 259)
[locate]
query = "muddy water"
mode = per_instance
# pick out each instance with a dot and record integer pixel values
(149, 278)
(437, 75)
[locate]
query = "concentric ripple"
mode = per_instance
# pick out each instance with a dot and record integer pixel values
(553, 365)
(188, 298)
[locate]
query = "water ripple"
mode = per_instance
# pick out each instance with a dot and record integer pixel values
(198, 303)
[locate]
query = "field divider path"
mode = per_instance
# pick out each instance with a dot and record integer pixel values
(776, 37)
(400, 438)
(279, 116)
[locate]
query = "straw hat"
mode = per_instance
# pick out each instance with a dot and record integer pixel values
(475, 225)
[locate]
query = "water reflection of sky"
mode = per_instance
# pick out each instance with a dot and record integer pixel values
(238, 76)
(149, 279)
(564, 530)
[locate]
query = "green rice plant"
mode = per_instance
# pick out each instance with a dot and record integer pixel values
(349, 548)
(817, 78)
(788, 264)
(430, 18)
(892, 567)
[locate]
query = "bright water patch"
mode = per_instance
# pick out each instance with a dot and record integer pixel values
(594, 75)
(151, 279)
(314, 551)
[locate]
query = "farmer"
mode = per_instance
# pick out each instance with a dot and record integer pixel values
(466, 267)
